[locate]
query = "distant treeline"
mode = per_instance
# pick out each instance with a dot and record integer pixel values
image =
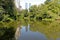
(49, 10)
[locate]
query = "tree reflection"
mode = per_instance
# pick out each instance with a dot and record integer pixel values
(51, 29)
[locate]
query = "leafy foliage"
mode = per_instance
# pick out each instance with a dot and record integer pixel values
(49, 10)
(7, 19)
(7, 7)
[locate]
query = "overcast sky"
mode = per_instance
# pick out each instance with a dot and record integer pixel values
(33, 2)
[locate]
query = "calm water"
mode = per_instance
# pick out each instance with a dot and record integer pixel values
(39, 30)
(27, 34)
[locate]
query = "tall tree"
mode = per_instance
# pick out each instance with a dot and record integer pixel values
(8, 7)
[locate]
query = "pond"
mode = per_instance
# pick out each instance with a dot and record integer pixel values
(39, 30)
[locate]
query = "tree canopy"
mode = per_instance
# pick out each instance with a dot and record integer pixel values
(50, 10)
(7, 9)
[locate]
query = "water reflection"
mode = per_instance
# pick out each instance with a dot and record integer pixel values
(27, 34)
(43, 30)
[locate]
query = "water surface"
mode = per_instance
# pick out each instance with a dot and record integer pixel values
(42, 30)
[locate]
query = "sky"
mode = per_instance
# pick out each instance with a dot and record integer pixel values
(33, 2)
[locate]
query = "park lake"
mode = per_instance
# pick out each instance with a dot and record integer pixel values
(39, 30)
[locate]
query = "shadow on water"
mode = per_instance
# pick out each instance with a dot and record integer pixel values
(7, 33)
(7, 30)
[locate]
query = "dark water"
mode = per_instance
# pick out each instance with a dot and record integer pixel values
(40, 31)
